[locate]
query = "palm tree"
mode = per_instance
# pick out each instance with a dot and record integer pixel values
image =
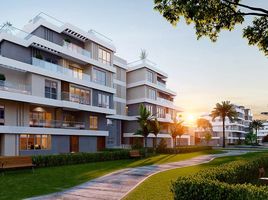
(143, 54)
(144, 122)
(256, 124)
(224, 110)
(155, 129)
(177, 129)
(206, 128)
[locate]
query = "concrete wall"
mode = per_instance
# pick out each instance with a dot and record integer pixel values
(137, 75)
(136, 92)
(16, 52)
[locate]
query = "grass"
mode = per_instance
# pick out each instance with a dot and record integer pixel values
(23, 183)
(157, 187)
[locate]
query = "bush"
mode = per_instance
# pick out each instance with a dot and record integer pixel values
(184, 149)
(78, 158)
(228, 181)
(162, 146)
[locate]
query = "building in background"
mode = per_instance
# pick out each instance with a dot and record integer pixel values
(235, 131)
(63, 90)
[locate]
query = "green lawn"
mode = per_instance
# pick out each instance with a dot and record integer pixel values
(157, 187)
(23, 183)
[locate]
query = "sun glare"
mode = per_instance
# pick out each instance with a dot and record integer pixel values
(190, 118)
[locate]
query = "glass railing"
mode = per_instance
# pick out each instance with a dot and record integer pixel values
(76, 49)
(142, 61)
(161, 84)
(67, 96)
(46, 17)
(9, 29)
(162, 100)
(58, 69)
(56, 124)
(15, 87)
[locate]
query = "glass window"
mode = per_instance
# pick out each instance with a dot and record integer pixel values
(93, 122)
(150, 76)
(77, 73)
(104, 56)
(152, 94)
(34, 142)
(160, 112)
(80, 95)
(51, 89)
(2, 115)
(23, 142)
(150, 108)
(103, 100)
(99, 76)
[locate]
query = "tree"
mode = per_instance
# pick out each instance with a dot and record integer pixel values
(207, 136)
(177, 129)
(224, 110)
(256, 125)
(155, 129)
(206, 128)
(210, 17)
(144, 122)
(144, 54)
(250, 138)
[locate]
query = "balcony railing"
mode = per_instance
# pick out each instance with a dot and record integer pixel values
(15, 87)
(56, 124)
(51, 67)
(76, 49)
(67, 96)
(161, 84)
(162, 100)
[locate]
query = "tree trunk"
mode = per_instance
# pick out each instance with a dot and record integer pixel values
(223, 132)
(145, 146)
(256, 135)
(155, 143)
(174, 142)
(179, 140)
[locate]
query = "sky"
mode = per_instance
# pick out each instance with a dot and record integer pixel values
(201, 72)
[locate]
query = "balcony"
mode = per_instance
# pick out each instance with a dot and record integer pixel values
(164, 101)
(76, 49)
(66, 96)
(58, 69)
(15, 87)
(161, 84)
(56, 124)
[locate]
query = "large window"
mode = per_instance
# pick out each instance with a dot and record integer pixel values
(149, 108)
(2, 115)
(93, 122)
(160, 112)
(99, 76)
(35, 142)
(152, 94)
(150, 76)
(103, 101)
(77, 72)
(104, 56)
(51, 89)
(80, 95)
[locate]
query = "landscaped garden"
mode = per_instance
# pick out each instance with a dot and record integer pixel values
(207, 182)
(23, 183)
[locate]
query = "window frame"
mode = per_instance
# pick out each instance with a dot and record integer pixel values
(49, 85)
(93, 122)
(28, 147)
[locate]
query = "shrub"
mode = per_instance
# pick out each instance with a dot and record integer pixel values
(78, 158)
(162, 145)
(228, 181)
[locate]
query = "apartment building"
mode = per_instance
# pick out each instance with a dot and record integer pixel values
(63, 90)
(146, 85)
(234, 130)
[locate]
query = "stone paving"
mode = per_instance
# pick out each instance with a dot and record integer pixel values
(118, 184)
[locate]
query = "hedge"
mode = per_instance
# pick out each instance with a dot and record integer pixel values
(184, 149)
(229, 181)
(78, 158)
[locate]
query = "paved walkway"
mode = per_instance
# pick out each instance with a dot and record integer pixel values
(116, 185)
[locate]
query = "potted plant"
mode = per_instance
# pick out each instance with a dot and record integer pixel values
(67, 40)
(265, 140)
(39, 56)
(2, 79)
